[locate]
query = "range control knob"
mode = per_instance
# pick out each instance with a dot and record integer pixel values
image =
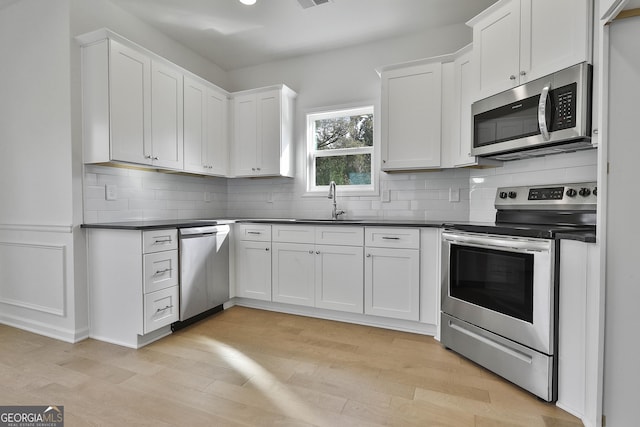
(503, 195)
(571, 192)
(595, 191)
(512, 194)
(584, 192)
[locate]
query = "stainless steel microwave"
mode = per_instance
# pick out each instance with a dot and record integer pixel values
(544, 116)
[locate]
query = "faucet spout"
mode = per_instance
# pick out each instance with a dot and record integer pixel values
(335, 213)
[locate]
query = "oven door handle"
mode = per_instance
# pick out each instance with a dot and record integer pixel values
(489, 242)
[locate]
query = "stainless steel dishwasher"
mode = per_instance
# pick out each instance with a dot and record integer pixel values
(204, 272)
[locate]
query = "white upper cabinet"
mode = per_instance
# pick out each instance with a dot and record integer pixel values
(205, 128)
(127, 101)
(132, 107)
(411, 116)
(515, 41)
(140, 108)
(263, 132)
(166, 116)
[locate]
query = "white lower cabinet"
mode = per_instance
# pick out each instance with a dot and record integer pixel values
(318, 275)
(253, 261)
(339, 278)
(392, 273)
(133, 285)
(293, 273)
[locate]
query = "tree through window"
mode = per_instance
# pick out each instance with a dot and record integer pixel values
(340, 147)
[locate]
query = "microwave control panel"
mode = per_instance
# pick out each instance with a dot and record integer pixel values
(564, 102)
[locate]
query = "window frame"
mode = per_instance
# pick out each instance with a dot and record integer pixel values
(312, 154)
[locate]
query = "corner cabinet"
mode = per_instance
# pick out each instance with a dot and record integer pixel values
(515, 41)
(411, 116)
(262, 142)
(132, 107)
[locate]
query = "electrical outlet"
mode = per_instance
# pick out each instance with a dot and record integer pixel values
(454, 194)
(111, 192)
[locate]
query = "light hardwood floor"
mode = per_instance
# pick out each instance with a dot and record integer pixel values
(246, 367)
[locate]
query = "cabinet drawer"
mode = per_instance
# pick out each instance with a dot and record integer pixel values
(293, 233)
(340, 235)
(254, 232)
(407, 238)
(160, 308)
(160, 270)
(159, 240)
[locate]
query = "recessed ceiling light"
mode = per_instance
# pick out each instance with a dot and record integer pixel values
(248, 2)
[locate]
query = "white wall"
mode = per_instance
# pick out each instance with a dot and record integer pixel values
(90, 15)
(37, 249)
(621, 347)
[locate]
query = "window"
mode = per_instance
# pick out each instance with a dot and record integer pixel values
(340, 149)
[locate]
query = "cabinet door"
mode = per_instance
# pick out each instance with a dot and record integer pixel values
(268, 143)
(245, 135)
(129, 104)
(195, 104)
(496, 47)
(461, 126)
(293, 273)
(217, 151)
(166, 116)
(253, 270)
(411, 115)
(391, 283)
(554, 36)
(339, 278)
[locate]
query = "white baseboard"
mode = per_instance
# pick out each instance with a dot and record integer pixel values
(66, 335)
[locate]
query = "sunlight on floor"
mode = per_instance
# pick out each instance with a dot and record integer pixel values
(267, 383)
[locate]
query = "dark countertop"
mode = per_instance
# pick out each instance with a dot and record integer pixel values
(586, 234)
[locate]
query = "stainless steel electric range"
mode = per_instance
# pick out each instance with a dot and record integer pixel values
(500, 282)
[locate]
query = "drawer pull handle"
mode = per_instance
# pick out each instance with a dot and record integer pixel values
(390, 238)
(166, 270)
(162, 241)
(160, 310)
(254, 232)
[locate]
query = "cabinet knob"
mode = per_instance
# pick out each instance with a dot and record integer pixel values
(253, 169)
(311, 252)
(267, 249)
(146, 156)
(512, 77)
(155, 158)
(258, 169)
(368, 255)
(523, 73)
(317, 252)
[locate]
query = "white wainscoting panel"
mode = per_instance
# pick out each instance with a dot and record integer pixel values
(32, 276)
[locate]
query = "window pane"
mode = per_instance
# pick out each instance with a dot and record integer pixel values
(352, 169)
(344, 132)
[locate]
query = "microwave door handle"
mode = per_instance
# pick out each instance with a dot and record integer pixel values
(542, 112)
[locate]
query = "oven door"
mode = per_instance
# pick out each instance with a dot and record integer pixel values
(502, 284)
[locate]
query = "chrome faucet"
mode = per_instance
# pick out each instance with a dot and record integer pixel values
(332, 195)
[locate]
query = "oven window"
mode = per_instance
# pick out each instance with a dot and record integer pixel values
(498, 280)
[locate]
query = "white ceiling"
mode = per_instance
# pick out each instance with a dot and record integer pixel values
(233, 35)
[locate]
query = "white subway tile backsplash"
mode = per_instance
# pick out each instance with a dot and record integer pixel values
(416, 195)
